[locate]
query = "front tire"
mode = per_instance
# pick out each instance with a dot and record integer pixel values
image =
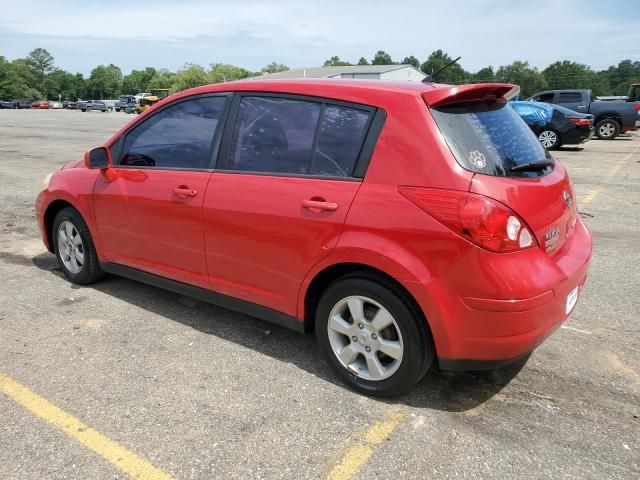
(74, 248)
(607, 129)
(549, 139)
(373, 335)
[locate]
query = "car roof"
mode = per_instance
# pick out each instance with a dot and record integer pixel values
(372, 92)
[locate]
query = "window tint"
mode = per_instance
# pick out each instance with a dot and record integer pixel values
(545, 97)
(570, 97)
(489, 137)
(178, 136)
(273, 135)
(341, 135)
(276, 135)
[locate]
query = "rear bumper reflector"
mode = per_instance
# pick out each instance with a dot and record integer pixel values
(516, 305)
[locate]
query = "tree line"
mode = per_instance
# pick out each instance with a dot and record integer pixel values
(37, 77)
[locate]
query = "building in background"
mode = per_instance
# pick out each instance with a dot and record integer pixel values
(377, 72)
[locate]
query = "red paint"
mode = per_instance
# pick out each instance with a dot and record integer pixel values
(265, 238)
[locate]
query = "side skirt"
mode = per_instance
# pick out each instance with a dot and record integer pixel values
(205, 295)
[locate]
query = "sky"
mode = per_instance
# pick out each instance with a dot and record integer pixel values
(81, 34)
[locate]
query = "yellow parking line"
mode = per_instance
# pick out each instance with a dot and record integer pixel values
(127, 461)
(592, 194)
(615, 169)
(357, 455)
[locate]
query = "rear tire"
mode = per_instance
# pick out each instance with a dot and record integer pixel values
(549, 139)
(607, 129)
(385, 347)
(74, 248)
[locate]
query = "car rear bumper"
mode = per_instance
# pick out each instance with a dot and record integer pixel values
(528, 304)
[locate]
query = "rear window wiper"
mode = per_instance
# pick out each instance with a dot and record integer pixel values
(533, 166)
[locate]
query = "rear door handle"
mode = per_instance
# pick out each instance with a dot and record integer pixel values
(183, 192)
(319, 205)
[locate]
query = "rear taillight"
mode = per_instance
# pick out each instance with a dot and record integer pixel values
(637, 107)
(480, 219)
(583, 122)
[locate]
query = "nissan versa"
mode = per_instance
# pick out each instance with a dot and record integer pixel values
(402, 222)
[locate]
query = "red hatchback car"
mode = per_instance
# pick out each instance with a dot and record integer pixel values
(402, 222)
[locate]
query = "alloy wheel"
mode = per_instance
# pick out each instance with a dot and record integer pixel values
(365, 338)
(607, 129)
(70, 247)
(548, 138)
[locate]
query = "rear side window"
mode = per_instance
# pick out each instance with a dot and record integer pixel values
(488, 137)
(178, 136)
(342, 132)
(569, 97)
(296, 137)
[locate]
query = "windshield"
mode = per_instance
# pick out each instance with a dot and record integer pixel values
(124, 99)
(489, 137)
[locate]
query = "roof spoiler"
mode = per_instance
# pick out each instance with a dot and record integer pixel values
(446, 95)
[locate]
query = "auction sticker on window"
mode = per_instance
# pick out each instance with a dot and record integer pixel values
(572, 299)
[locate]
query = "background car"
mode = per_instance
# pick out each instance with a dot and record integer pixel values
(41, 104)
(610, 118)
(90, 105)
(56, 104)
(7, 104)
(23, 103)
(555, 125)
(69, 104)
(124, 102)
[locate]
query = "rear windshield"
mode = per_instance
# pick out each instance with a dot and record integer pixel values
(489, 137)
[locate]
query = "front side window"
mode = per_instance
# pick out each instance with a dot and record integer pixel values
(297, 137)
(178, 136)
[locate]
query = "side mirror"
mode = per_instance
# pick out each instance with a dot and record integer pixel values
(98, 157)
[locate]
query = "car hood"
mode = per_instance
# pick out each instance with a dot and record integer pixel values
(73, 164)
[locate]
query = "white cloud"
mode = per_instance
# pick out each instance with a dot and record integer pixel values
(252, 33)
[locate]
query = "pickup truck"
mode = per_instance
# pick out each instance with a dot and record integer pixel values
(89, 105)
(611, 118)
(124, 102)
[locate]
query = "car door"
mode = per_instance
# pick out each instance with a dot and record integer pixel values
(278, 199)
(148, 207)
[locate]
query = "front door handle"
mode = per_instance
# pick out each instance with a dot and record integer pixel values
(317, 205)
(183, 192)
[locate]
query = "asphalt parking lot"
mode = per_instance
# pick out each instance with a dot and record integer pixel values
(122, 379)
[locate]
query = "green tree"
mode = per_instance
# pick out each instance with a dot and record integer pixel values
(105, 81)
(484, 75)
(381, 58)
(162, 79)
(622, 75)
(222, 72)
(520, 73)
(138, 81)
(41, 64)
(566, 74)
(62, 84)
(274, 67)
(411, 60)
(453, 75)
(191, 75)
(363, 61)
(20, 81)
(336, 62)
